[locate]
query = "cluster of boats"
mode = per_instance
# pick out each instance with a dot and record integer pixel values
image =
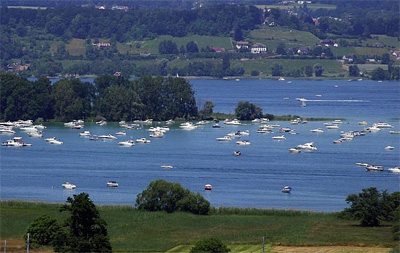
(70, 186)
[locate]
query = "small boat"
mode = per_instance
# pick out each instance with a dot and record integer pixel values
(142, 140)
(394, 170)
(374, 168)
(286, 189)
(112, 184)
(234, 122)
(279, 138)
(77, 127)
(16, 142)
(107, 136)
(128, 143)
(187, 126)
(69, 186)
(362, 164)
(156, 134)
(382, 125)
(243, 142)
(394, 132)
(389, 147)
(167, 166)
(237, 153)
(50, 139)
(101, 122)
(216, 126)
(225, 138)
(208, 187)
(307, 146)
(295, 150)
(35, 134)
(363, 123)
(55, 142)
(332, 127)
(339, 141)
(281, 79)
(6, 130)
(121, 133)
(84, 133)
(317, 130)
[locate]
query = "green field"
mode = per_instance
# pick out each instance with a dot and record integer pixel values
(76, 47)
(131, 230)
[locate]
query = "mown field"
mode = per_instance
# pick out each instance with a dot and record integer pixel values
(131, 230)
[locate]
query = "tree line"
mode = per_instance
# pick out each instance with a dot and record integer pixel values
(110, 97)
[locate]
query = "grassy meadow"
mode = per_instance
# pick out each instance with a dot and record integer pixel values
(131, 230)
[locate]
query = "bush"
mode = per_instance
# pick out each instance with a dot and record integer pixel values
(161, 195)
(209, 245)
(42, 230)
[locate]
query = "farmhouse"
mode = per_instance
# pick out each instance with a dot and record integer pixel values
(258, 48)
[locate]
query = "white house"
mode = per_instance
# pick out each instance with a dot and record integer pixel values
(258, 48)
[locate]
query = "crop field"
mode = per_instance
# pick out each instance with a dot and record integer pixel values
(76, 47)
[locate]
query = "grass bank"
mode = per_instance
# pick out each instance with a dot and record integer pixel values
(131, 230)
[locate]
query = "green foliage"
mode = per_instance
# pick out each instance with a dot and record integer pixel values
(42, 231)
(280, 49)
(378, 74)
(207, 110)
(191, 47)
(161, 195)
(277, 70)
(354, 70)
(371, 207)
(308, 70)
(209, 245)
(168, 47)
(318, 69)
(247, 111)
(87, 232)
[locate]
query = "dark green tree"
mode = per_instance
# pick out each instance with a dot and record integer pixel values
(87, 231)
(280, 49)
(209, 245)
(277, 69)
(318, 69)
(238, 36)
(168, 47)
(207, 110)
(308, 71)
(247, 111)
(226, 63)
(354, 70)
(385, 59)
(378, 74)
(42, 231)
(191, 47)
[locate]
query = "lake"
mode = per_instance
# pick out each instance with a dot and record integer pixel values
(321, 180)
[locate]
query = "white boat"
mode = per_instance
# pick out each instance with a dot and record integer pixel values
(363, 123)
(208, 187)
(256, 121)
(121, 133)
(85, 133)
(107, 136)
(279, 138)
(112, 184)
(382, 125)
(68, 186)
(187, 126)
(374, 168)
(216, 126)
(295, 150)
(35, 134)
(16, 142)
(394, 132)
(128, 143)
(394, 170)
(202, 122)
(317, 130)
(243, 142)
(339, 141)
(225, 138)
(362, 164)
(56, 142)
(29, 129)
(389, 147)
(372, 129)
(332, 127)
(77, 127)
(281, 79)
(167, 166)
(101, 122)
(234, 122)
(50, 139)
(169, 122)
(286, 189)
(307, 146)
(156, 134)
(6, 130)
(142, 140)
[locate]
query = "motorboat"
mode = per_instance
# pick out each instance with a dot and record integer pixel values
(264, 130)
(216, 126)
(256, 121)
(362, 164)
(286, 189)
(389, 147)
(372, 129)
(237, 153)
(394, 170)
(156, 134)
(16, 142)
(77, 127)
(142, 140)
(50, 139)
(317, 130)
(167, 166)
(169, 122)
(55, 142)
(101, 122)
(394, 132)
(363, 123)
(68, 185)
(36, 134)
(279, 138)
(307, 146)
(295, 150)
(334, 126)
(107, 136)
(234, 122)
(202, 122)
(243, 142)
(225, 138)
(187, 126)
(94, 138)
(112, 184)
(85, 133)
(29, 129)
(121, 133)
(128, 143)
(382, 125)
(374, 168)
(281, 79)
(208, 187)
(339, 141)
(6, 130)
(284, 130)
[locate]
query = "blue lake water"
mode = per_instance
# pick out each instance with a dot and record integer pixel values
(321, 180)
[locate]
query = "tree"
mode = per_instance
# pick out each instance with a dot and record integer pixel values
(226, 63)
(308, 70)
(247, 111)
(280, 49)
(191, 47)
(161, 195)
(354, 70)
(42, 230)
(371, 206)
(378, 74)
(385, 58)
(277, 69)
(168, 47)
(87, 232)
(209, 245)
(207, 110)
(318, 69)
(238, 36)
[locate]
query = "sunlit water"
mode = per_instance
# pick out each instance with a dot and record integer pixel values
(321, 180)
